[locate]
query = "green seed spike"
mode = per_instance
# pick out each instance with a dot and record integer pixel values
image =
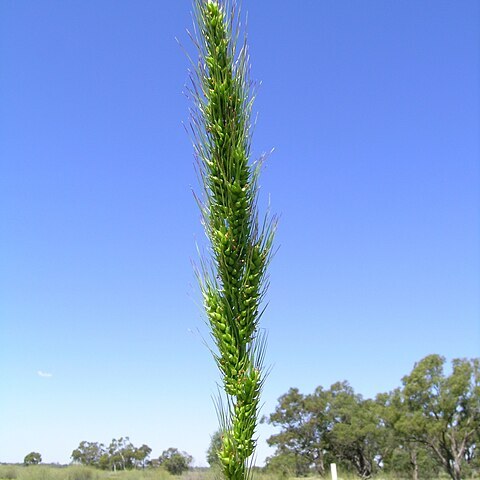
(233, 279)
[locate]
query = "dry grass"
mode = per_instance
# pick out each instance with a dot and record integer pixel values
(43, 472)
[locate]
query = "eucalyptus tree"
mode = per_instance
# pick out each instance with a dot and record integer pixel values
(91, 453)
(301, 441)
(443, 412)
(402, 454)
(334, 425)
(214, 448)
(174, 461)
(233, 275)
(141, 455)
(355, 432)
(33, 458)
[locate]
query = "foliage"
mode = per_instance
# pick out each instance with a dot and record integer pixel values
(442, 412)
(213, 449)
(32, 458)
(89, 453)
(400, 454)
(355, 429)
(287, 464)
(329, 425)
(233, 283)
(431, 423)
(298, 444)
(174, 461)
(141, 455)
(121, 454)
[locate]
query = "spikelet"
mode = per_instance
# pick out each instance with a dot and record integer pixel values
(234, 285)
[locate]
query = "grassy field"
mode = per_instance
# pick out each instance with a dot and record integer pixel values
(43, 472)
(40, 472)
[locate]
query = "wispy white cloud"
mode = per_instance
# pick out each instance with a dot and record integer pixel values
(44, 374)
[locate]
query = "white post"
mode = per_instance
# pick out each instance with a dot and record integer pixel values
(333, 468)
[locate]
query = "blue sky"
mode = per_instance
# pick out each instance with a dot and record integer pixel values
(373, 110)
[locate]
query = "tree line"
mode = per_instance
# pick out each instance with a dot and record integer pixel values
(428, 425)
(121, 454)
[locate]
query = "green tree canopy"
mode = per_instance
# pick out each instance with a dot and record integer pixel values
(121, 454)
(33, 458)
(355, 430)
(430, 423)
(174, 461)
(300, 441)
(88, 453)
(442, 411)
(401, 454)
(328, 425)
(141, 455)
(213, 449)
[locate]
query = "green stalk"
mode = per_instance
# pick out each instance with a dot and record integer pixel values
(233, 279)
